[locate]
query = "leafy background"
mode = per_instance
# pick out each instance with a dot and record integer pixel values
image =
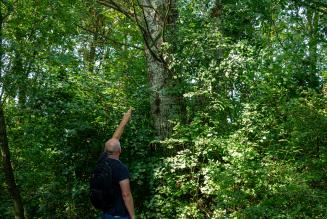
(252, 139)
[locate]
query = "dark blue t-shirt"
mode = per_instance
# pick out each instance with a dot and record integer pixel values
(119, 173)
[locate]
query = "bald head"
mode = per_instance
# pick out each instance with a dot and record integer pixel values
(112, 146)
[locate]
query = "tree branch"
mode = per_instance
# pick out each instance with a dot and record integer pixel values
(114, 5)
(147, 35)
(133, 16)
(109, 39)
(166, 19)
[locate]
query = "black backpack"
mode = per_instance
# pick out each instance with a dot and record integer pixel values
(101, 189)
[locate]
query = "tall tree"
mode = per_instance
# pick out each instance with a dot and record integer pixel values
(153, 19)
(5, 153)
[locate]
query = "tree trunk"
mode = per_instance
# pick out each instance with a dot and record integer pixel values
(4, 148)
(313, 21)
(97, 30)
(313, 27)
(8, 170)
(164, 106)
(164, 102)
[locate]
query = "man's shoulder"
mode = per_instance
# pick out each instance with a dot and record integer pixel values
(117, 163)
(120, 170)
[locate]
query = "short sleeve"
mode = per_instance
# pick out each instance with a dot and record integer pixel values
(123, 173)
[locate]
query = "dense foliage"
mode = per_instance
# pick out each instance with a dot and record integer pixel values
(251, 139)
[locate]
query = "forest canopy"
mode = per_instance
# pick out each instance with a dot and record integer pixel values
(229, 105)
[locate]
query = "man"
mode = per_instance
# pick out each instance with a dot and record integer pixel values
(123, 207)
(123, 203)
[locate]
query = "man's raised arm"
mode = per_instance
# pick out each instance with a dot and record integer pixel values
(124, 121)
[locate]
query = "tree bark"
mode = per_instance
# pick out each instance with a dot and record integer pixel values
(158, 16)
(8, 170)
(164, 104)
